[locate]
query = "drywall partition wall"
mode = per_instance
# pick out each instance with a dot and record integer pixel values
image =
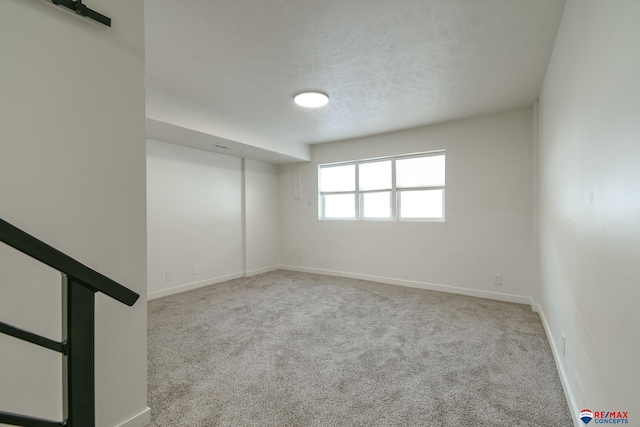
(194, 218)
(72, 173)
(262, 212)
(488, 213)
(589, 204)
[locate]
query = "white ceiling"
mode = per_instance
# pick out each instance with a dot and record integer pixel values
(386, 64)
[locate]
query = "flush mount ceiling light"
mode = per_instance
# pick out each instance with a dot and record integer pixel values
(311, 99)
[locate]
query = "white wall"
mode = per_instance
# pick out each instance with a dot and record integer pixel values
(262, 217)
(488, 213)
(589, 204)
(72, 173)
(196, 217)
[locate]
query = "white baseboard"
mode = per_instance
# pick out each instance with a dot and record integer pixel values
(568, 392)
(257, 271)
(140, 420)
(413, 284)
(191, 286)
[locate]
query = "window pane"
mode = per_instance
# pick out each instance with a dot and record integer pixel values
(338, 178)
(421, 204)
(339, 206)
(377, 205)
(420, 172)
(375, 176)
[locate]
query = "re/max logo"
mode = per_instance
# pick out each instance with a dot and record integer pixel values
(611, 414)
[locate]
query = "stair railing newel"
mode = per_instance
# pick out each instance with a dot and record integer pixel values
(79, 286)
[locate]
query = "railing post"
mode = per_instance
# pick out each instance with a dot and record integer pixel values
(81, 357)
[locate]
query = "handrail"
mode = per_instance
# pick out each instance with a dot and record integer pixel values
(26, 243)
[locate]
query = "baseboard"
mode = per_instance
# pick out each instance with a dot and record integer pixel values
(413, 284)
(568, 392)
(257, 271)
(191, 286)
(140, 420)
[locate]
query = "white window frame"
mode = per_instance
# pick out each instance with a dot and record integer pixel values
(394, 190)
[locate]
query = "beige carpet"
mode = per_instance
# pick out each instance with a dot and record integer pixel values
(295, 349)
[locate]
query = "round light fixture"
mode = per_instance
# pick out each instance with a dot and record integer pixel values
(311, 99)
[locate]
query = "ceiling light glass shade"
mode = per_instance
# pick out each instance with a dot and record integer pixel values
(311, 99)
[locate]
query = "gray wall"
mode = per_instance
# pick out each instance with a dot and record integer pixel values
(196, 217)
(589, 204)
(488, 213)
(72, 173)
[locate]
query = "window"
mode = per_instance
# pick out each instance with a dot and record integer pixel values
(406, 188)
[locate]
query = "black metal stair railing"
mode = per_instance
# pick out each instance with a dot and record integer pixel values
(78, 346)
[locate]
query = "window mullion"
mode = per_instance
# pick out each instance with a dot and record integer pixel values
(394, 197)
(435, 187)
(329, 193)
(357, 199)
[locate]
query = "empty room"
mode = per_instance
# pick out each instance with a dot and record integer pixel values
(319, 213)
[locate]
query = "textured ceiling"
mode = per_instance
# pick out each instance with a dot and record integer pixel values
(386, 65)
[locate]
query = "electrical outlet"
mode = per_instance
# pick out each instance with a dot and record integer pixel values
(169, 275)
(497, 279)
(564, 345)
(300, 258)
(196, 270)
